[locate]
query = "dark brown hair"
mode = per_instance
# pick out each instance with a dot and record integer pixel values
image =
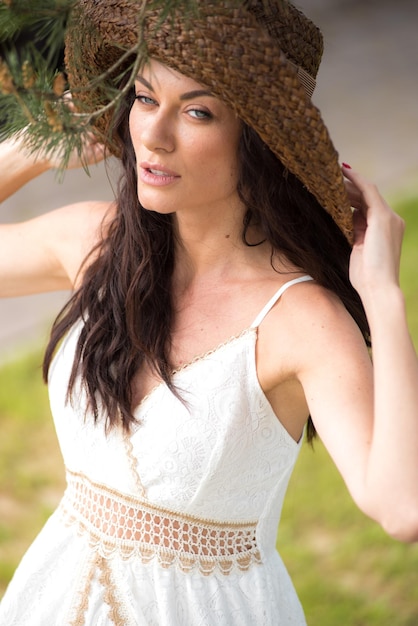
(125, 299)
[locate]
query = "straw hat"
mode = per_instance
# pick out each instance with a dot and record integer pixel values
(260, 57)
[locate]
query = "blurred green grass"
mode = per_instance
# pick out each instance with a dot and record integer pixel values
(345, 569)
(408, 208)
(31, 472)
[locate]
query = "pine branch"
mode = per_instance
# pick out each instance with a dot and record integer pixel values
(33, 86)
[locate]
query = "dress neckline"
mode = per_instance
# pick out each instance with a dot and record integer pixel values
(197, 359)
(251, 331)
(252, 328)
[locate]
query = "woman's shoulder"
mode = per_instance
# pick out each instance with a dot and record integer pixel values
(312, 313)
(94, 211)
(309, 323)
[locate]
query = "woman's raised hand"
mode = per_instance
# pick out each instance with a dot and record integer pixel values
(92, 153)
(378, 234)
(92, 150)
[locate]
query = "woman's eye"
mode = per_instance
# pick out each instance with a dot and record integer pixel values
(199, 114)
(145, 99)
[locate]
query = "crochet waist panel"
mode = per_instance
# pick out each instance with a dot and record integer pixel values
(134, 528)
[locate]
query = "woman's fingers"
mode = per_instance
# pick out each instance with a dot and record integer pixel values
(92, 152)
(354, 195)
(368, 200)
(378, 233)
(362, 190)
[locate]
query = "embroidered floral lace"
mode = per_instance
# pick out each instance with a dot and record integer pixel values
(136, 528)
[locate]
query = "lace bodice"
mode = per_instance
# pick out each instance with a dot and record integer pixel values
(217, 451)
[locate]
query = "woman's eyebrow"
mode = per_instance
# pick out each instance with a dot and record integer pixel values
(146, 84)
(196, 93)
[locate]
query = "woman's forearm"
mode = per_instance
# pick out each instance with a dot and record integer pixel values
(18, 167)
(393, 462)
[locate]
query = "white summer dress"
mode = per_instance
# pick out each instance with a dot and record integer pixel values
(174, 524)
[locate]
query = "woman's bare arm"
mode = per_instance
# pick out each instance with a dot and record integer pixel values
(365, 413)
(45, 253)
(19, 166)
(368, 417)
(374, 271)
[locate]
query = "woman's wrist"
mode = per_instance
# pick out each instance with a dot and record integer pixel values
(22, 166)
(384, 305)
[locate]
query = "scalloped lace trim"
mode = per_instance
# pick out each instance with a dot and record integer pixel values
(197, 359)
(135, 528)
(133, 464)
(204, 355)
(83, 595)
(116, 610)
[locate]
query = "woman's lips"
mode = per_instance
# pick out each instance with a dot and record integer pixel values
(156, 175)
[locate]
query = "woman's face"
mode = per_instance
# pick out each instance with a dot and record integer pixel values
(186, 145)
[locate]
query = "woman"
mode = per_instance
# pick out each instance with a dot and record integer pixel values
(212, 318)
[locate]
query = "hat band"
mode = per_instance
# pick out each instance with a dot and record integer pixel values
(308, 82)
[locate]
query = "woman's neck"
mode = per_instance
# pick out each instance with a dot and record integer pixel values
(216, 252)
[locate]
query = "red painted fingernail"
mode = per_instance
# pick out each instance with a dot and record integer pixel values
(347, 167)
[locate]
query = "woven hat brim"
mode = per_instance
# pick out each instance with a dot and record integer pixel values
(225, 49)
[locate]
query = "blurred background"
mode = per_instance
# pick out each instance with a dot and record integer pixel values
(367, 91)
(345, 570)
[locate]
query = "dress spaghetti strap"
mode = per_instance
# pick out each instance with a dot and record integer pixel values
(275, 298)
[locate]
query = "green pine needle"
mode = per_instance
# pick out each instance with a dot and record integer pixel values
(32, 85)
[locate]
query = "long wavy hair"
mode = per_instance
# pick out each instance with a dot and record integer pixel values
(125, 299)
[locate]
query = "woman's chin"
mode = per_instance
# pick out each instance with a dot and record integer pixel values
(149, 203)
(155, 207)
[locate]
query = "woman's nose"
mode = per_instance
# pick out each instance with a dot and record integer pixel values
(158, 133)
